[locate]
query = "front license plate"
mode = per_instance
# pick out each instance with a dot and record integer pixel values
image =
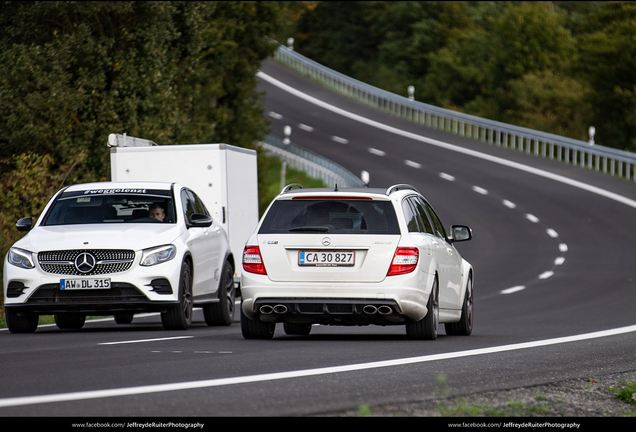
(79, 284)
(326, 258)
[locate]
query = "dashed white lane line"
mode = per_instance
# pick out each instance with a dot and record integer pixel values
(552, 233)
(480, 190)
(509, 204)
(412, 164)
(376, 151)
(532, 218)
(521, 167)
(513, 289)
(559, 261)
(145, 340)
(447, 176)
(340, 140)
(275, 115)
(546, 275)
(218, 382)
(305, 127)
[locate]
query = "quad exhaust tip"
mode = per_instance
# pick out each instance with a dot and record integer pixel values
(382, 310)
(269, 309)
(385, 310)
(367, 309)
(370, 310)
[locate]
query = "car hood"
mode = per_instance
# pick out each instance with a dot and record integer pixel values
(93, 236)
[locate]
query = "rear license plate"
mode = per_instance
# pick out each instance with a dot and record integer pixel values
(79, 284)
(326, 258)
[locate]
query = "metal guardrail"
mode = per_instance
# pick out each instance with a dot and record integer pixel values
(608, 160)
(313, 164)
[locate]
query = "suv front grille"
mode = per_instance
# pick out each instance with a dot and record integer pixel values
(66, 262)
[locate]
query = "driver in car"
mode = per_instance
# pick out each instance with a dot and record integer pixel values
(157, 212)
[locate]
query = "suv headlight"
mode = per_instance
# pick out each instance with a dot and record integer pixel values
(21, 258)
(158, 255)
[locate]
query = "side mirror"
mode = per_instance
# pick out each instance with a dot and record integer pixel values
(200, 220)
(460, 233)
(25, 224)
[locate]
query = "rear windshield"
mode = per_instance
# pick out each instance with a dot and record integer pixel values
(353, 216)
(112, 206)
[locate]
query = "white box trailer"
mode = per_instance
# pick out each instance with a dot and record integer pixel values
(222, 175)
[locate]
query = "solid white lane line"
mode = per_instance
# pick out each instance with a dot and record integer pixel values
(189, 385)
(145, 340)
(442, 144)
(376, 151)
(445, 145)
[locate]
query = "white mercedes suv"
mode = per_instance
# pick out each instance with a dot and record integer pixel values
(355, 257)
(119, 249)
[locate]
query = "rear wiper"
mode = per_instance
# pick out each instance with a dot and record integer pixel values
(310, 228)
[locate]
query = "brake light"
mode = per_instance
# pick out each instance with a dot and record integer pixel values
(404, 261)
(252, 260)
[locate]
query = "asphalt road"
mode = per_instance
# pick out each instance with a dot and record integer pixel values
(554, 295)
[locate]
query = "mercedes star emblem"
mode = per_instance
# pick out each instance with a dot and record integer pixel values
(326, 241)
(85, 262)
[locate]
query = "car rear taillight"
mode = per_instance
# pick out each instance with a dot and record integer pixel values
(252, 260)
(404, 261)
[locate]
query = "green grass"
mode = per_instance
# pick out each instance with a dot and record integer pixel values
(271, 181)
(460, 407)
(626, 392)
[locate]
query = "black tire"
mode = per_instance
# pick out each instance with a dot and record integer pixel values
(21, 324)
(125, 318)
(255, 329)
(222, 313)
(180, 317)
(427, 327)
(464, 327)
(297, 329)
(69, 321)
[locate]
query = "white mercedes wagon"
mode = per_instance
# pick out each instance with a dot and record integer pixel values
(355, 257)
(119, 249)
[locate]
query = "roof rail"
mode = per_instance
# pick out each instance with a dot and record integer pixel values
(398, 187)
(291, 186)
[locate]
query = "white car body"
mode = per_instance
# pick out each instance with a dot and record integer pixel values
(186, 261)
(278, 285)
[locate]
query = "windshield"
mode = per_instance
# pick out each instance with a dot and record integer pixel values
(354, 216)
(112, 206)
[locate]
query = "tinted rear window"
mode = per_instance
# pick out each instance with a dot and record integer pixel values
(330, 216)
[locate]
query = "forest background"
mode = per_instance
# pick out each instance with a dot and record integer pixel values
(184, 72)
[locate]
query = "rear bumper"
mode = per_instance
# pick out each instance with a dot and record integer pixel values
(338, 303)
